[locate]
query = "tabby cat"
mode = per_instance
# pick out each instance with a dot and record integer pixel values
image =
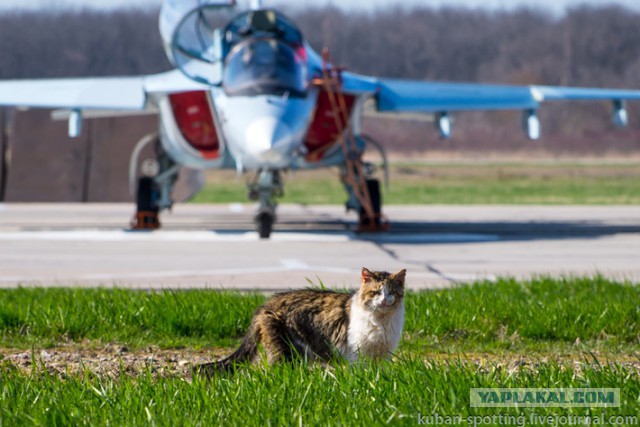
(321, 324)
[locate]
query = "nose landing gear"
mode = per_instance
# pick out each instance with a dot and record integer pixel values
(264, 189)
(264, 224)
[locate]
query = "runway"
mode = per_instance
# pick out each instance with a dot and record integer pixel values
(214, 246)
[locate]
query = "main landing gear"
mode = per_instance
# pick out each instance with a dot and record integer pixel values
(154, 187)
(373, 222)
(147, 210)
(365, 198)
(363, 191)
(264, 189)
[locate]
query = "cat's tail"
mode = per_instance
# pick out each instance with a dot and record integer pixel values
(247, 351)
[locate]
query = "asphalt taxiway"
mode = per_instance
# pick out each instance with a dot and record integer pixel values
(215, 246)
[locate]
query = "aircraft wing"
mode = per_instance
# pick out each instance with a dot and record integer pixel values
(93, 93)
(405, 96)
(401, 96)
(416, 96)
(118, 93)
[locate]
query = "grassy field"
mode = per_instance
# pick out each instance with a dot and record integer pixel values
(542, 333)
(561, 183)
(389, 393)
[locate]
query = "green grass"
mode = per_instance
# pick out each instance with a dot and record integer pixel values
(539, 319)
(514, 315)
(460, 183)
(46, 317)
(296, 394)
(504, 315)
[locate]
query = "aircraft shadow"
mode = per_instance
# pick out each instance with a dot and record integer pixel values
(412, 232)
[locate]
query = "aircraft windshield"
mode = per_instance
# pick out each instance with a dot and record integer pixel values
(264, 66)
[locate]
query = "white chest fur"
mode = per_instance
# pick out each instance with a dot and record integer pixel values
(373, 335)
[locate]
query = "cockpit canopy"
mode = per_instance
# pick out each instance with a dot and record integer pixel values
(264, 55)
(189, 30)
(264, 67)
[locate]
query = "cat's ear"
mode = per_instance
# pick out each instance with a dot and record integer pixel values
(400, 275)
(367, 276)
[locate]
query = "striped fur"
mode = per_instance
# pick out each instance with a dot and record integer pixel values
(321, 324)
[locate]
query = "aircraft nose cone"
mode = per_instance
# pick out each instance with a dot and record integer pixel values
(267, 139)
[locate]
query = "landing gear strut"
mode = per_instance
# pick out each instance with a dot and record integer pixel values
(264, 189)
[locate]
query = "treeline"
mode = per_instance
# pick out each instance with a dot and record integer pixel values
(80, 43)
(589, 46)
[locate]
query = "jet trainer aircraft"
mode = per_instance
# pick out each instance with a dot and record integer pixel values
(253, 95)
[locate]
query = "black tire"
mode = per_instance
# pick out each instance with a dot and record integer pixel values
(264, 223)
(147, 195)
(373, 185)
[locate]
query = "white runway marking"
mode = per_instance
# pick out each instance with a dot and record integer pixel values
(294, 264)
(236, 208)
(166, 236)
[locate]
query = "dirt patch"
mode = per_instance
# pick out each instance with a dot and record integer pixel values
(115, 360)
(112, 360)
(513, 363)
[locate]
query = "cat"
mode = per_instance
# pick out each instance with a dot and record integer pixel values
(323, 325)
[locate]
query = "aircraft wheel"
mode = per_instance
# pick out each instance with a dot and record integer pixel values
(145, 197)
(264, 221)
(373, 185)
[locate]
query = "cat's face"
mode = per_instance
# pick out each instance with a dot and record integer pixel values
(381, 291)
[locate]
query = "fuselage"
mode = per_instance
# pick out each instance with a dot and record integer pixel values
(263, 112)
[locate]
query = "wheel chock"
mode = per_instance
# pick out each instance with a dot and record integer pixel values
(373, 225)
(145, 220)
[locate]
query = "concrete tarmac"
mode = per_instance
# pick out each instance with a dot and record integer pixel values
(215, 246)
